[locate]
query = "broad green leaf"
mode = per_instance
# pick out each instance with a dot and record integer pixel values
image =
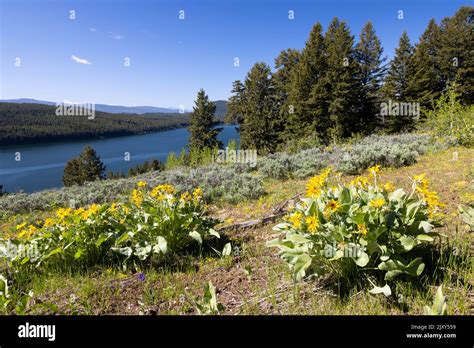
(302, 263)
(383, 290)
(362, 260)
(424, 238)
(195, 235)
(214, 233)
(161, 245)
(426, 226)
(227, 249)
(407, 242)
(55, 251)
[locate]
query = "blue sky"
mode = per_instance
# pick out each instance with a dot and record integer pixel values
(170, 59)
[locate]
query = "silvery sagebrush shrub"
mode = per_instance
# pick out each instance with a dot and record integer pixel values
(388, 151)
(366, 225)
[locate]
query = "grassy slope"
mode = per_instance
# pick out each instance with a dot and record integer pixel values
(269, 288)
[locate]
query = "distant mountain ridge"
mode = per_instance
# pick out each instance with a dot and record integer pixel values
(113, 109)
(221, 107)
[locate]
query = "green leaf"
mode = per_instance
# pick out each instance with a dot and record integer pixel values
(302, 263)
(426, 226)
(227, 250)
(384, 290)
(214, 233)
(102, 238)
(282, 226)
(122, 238)
(161, 245)
(78, 253)
(407, 242)
(424, 238)
(396, 267)
(345, 196)
(362, 260)
(397, 195)
(195, 235)
(55, 251)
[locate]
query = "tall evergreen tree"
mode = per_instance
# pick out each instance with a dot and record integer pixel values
(86, 167)
(369, 53)
(235, 103)
(424, 84)
(203, 133)
(396, 86)
(303, 114)
(257, 128)
(285, 63)
(456, 52)
(341, 79)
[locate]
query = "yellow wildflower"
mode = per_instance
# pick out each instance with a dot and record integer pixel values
(313, 188)
(137, 197)
(141, 184)
(377, 202)
(295, 219)
(20, 226)
(62, 213)
(312, 222)
(48, 222)
(197, 193)
(185, 196)
(389, 186)
(331, 207)
(374, 170)
(421, 182)
(113, 207)
(79, 212)
(160, 189)
(362, 229)
(360, 180)
(94, 208)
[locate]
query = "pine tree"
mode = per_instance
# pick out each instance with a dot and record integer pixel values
(285, 64)
(203, 134)
(369, 53)
(424, 84)
(303, 115)
(286, 61)
(91, 165)
(235, 103)
(341, 80)
(257, 128)
(396, 88)
(86, 167)
(72, 173)
(455, 57)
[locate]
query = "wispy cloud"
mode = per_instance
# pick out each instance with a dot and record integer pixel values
(80, 60)
(93, 30)
(115, 36)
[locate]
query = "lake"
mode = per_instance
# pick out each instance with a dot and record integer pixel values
(41, 165)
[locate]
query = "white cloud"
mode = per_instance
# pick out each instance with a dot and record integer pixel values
(80, 60)
(115, 36)
(93, 30)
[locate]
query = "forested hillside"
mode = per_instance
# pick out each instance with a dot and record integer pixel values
(28, 123)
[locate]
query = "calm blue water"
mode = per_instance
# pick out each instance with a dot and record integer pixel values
(42, 165)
